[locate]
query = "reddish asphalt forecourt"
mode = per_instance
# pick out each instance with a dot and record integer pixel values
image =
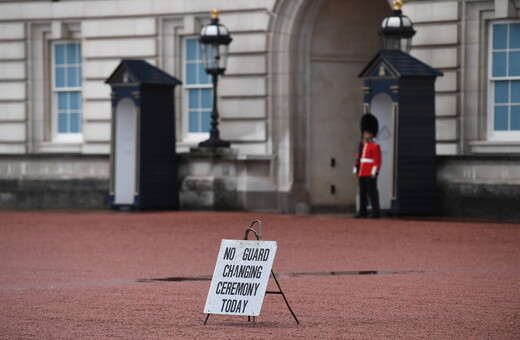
(89, 275)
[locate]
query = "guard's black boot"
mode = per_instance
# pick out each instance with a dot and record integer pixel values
(360, 216)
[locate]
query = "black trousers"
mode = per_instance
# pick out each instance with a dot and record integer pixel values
(368, 187)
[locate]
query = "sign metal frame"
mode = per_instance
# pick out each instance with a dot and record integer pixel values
(258, 236)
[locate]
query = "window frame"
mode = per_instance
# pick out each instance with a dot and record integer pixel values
(57, 136)
(492, 134)
(191, 137)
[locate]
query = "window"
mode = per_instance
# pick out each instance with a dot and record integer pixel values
(198, 91)
(505, 81)
(67, 82)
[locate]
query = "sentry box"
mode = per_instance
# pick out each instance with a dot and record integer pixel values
(143, 160)
(400, 91)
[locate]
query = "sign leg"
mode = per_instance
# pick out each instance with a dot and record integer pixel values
(284, 298)
(207, 317)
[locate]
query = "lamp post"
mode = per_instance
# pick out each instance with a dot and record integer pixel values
(214, 39)
(397, 30)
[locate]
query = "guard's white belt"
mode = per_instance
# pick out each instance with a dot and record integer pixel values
(367, 160)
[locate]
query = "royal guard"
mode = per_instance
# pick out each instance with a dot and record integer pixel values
(367, 167)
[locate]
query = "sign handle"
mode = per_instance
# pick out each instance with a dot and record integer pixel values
(259, 234)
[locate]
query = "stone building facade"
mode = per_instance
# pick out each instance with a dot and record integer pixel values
(290, 100)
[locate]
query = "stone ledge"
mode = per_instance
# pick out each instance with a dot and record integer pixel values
(38, 156)
(497, 201)
(479, 169)
(478, 158)
(54, 167)
(52, 194)
(495, 147)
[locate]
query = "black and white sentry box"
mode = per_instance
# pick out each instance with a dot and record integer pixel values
(240, 278)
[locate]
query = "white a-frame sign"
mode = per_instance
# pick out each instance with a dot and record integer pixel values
(240, 278)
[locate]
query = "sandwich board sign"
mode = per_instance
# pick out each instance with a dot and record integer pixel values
(240, 278)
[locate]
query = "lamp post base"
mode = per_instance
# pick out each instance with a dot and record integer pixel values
(214, 143)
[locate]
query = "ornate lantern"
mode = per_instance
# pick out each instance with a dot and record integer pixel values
(397, 30)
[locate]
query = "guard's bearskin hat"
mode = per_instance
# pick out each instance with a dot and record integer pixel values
(369, 123)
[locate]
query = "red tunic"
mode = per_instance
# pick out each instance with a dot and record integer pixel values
(368, 163)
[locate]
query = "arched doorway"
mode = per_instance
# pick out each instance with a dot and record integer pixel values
(125, 152)
(344, 39)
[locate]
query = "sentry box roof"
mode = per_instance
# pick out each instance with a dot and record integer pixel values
(397, 64)
(133, 72)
